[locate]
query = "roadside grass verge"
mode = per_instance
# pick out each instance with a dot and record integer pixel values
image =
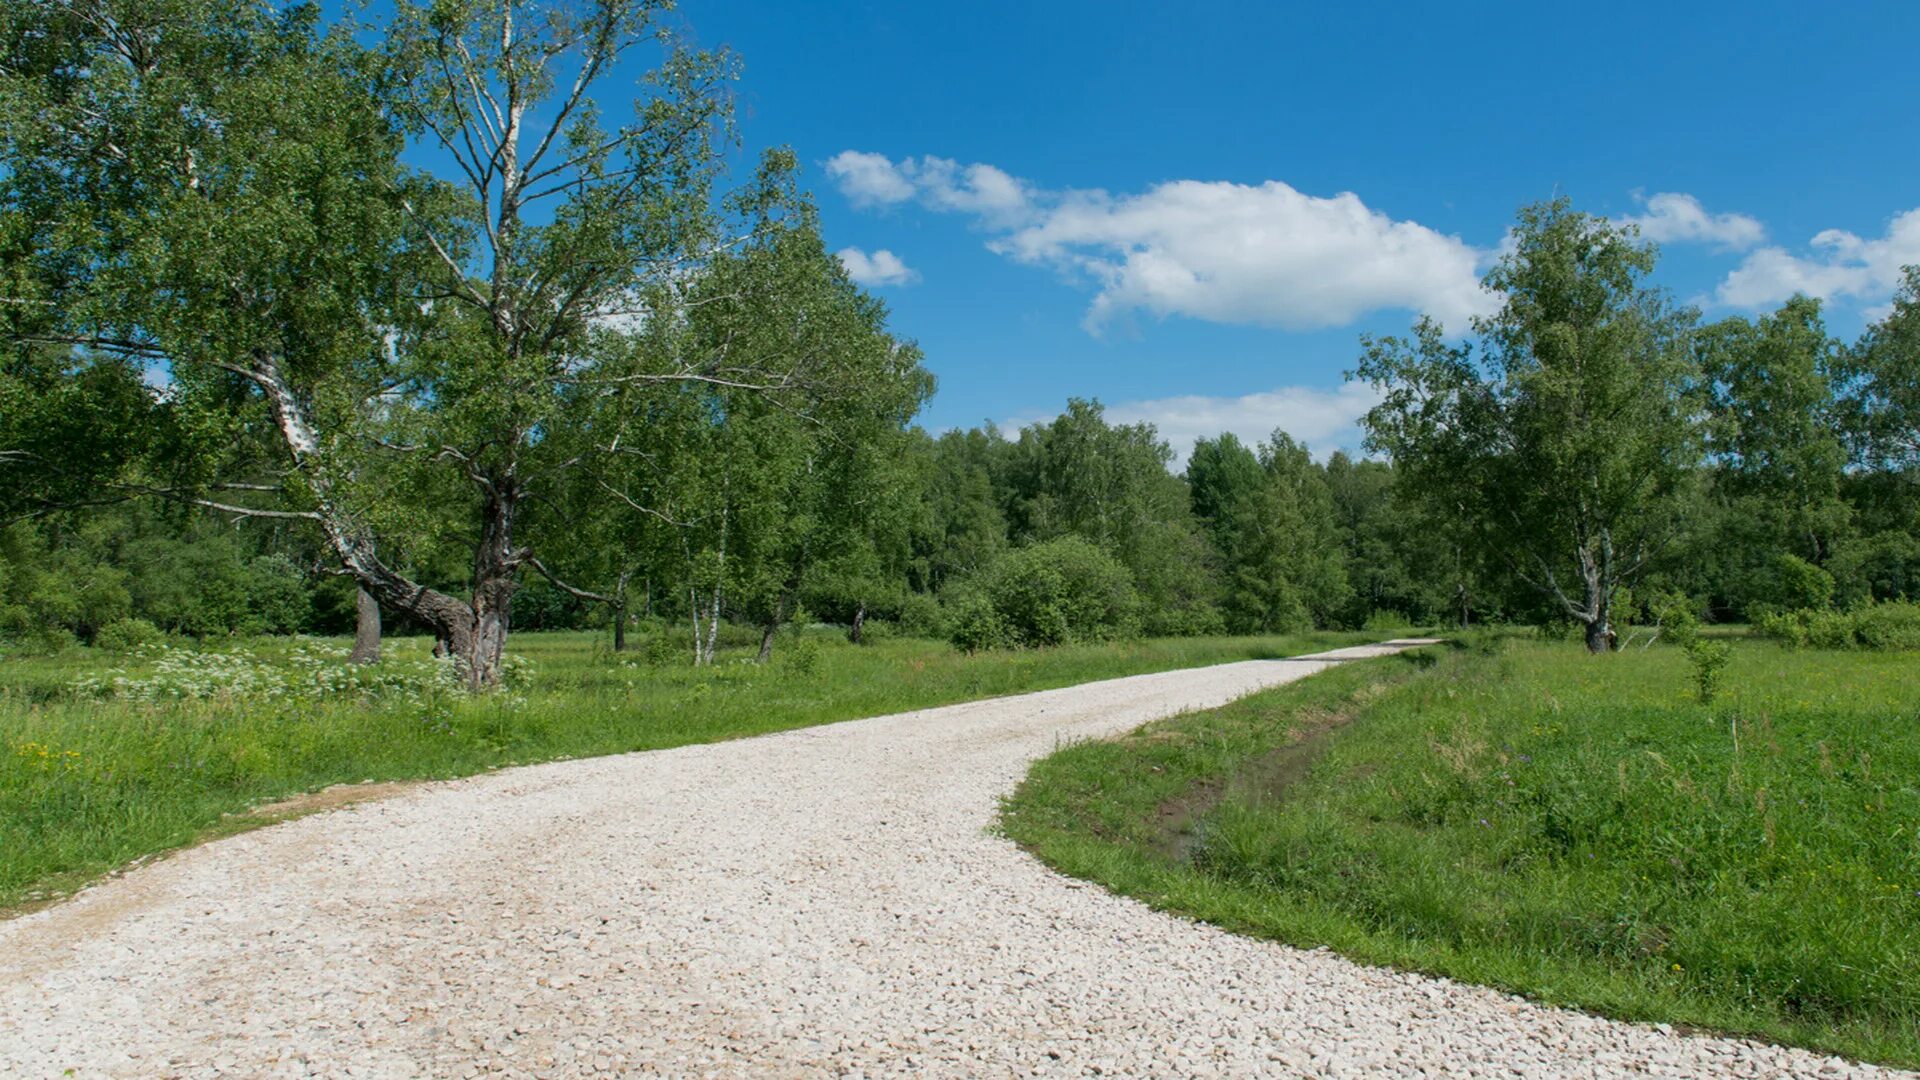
(89, 783)
(1520, 815)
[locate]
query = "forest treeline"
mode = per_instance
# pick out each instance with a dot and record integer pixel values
(265, 374)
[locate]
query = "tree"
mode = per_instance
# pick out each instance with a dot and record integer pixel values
(1271, 517)
(213, 187)
(1883, 373)
(1081, 476)
(1560, 434)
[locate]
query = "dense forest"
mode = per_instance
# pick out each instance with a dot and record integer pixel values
(264, 375)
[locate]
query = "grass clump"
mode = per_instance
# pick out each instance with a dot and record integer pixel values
(108, 757)
(1582, 830)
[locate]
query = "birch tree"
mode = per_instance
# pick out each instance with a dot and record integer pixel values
(212, 189)
(1559, 434)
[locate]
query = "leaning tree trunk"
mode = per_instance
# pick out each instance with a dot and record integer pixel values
(366, 629)
(766, 642)
(453, 621)
(859, 624)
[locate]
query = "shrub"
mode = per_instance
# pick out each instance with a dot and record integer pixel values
(126, 635)
(1799, 585)
(1059, 591)
(1677, 617)
(1887, 626)
(802, 658)
(1894, 624)
(1709, 658)
(660, 648)
(43, 641)
(1385, 620)
(921, 616)
(973, 624)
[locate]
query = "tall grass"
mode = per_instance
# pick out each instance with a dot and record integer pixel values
(87, 784)
(1579, 829)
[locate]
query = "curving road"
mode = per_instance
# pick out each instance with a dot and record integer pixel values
(822, 902)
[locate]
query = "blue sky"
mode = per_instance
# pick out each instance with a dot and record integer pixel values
(1192, 211)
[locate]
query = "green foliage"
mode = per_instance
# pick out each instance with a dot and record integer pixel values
(1888, 625)
(1536, 822)
(127, 635)
(974, 623)
(1272, 518)
(1709, 658)
(803, 658)
(1052, 593)
(1884, 372)
(1080, 476)
(1798, 584)
(1583, 382)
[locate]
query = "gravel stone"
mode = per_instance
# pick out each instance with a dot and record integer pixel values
(821, 902)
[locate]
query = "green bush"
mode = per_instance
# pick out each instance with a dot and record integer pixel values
(1894, 624)
(973, 624)
(1708, 658)
(1799, 585)
(921, 616)
(126, 635)
(1056, 592)
(802, 658)
(1385, 621)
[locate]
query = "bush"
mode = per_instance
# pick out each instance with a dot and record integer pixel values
(1052, 593)
(1386, 621)
(1708, 658)
(126, 635)
(1799, 585)
(1883, 626)
(973, 624)
(1893, 625)
(802, 658)
(42, 641)
(921, 616)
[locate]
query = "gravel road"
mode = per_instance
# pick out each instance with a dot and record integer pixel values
(819, 902)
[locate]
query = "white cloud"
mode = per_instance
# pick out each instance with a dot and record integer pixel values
(1324, 420)
(882, 267)
(1264, 254)
(869, 179)
(1673, 217)
(1838, 264)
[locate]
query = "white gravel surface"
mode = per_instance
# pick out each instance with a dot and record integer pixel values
(820, 902)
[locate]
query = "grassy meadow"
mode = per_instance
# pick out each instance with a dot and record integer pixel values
(105, 758)
(1578, 829)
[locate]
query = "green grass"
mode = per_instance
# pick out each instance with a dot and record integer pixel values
(86, 786)
(1577, 829)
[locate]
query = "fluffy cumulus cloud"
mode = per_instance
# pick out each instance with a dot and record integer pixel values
(1672, 217)
(882, 267)
(1325, 420)
(1263, 254)
(869, 179)
(1837, 264)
